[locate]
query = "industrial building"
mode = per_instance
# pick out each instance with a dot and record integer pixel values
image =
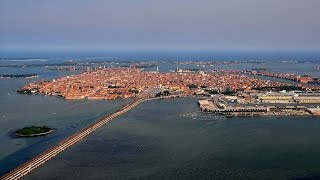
(289, 97)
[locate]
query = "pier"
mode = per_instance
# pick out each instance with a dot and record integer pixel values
(37, 161)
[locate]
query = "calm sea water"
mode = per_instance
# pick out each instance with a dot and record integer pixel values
(160, 140)
(167, 139)
(18, 111)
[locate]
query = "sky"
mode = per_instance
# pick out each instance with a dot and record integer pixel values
(159, 25)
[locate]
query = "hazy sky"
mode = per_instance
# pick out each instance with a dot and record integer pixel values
(226, 25)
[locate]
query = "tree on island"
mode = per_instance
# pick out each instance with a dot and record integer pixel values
(192, 86)
(212, 91)
(33, 130)
(229, 92)
(164, 93)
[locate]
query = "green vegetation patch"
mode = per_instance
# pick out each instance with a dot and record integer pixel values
(33, 130)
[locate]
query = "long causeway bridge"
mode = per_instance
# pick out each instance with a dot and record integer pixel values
(34, 163)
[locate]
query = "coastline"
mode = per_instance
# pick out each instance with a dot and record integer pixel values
(17, 76)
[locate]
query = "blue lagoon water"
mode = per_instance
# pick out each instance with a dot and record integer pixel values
(18, 111)
(162, 139)
(158, 140)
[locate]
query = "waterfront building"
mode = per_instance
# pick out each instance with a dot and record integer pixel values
(289, 97)
(307, 98)
(276, 97)
(304, 79)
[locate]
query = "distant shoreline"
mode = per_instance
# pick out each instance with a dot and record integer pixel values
(14, 76)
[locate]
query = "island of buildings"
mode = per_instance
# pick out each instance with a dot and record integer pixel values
(227, 92)
(126, 82)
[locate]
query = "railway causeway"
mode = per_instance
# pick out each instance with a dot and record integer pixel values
(45, 156)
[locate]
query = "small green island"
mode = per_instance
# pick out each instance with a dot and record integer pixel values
(32, 131)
